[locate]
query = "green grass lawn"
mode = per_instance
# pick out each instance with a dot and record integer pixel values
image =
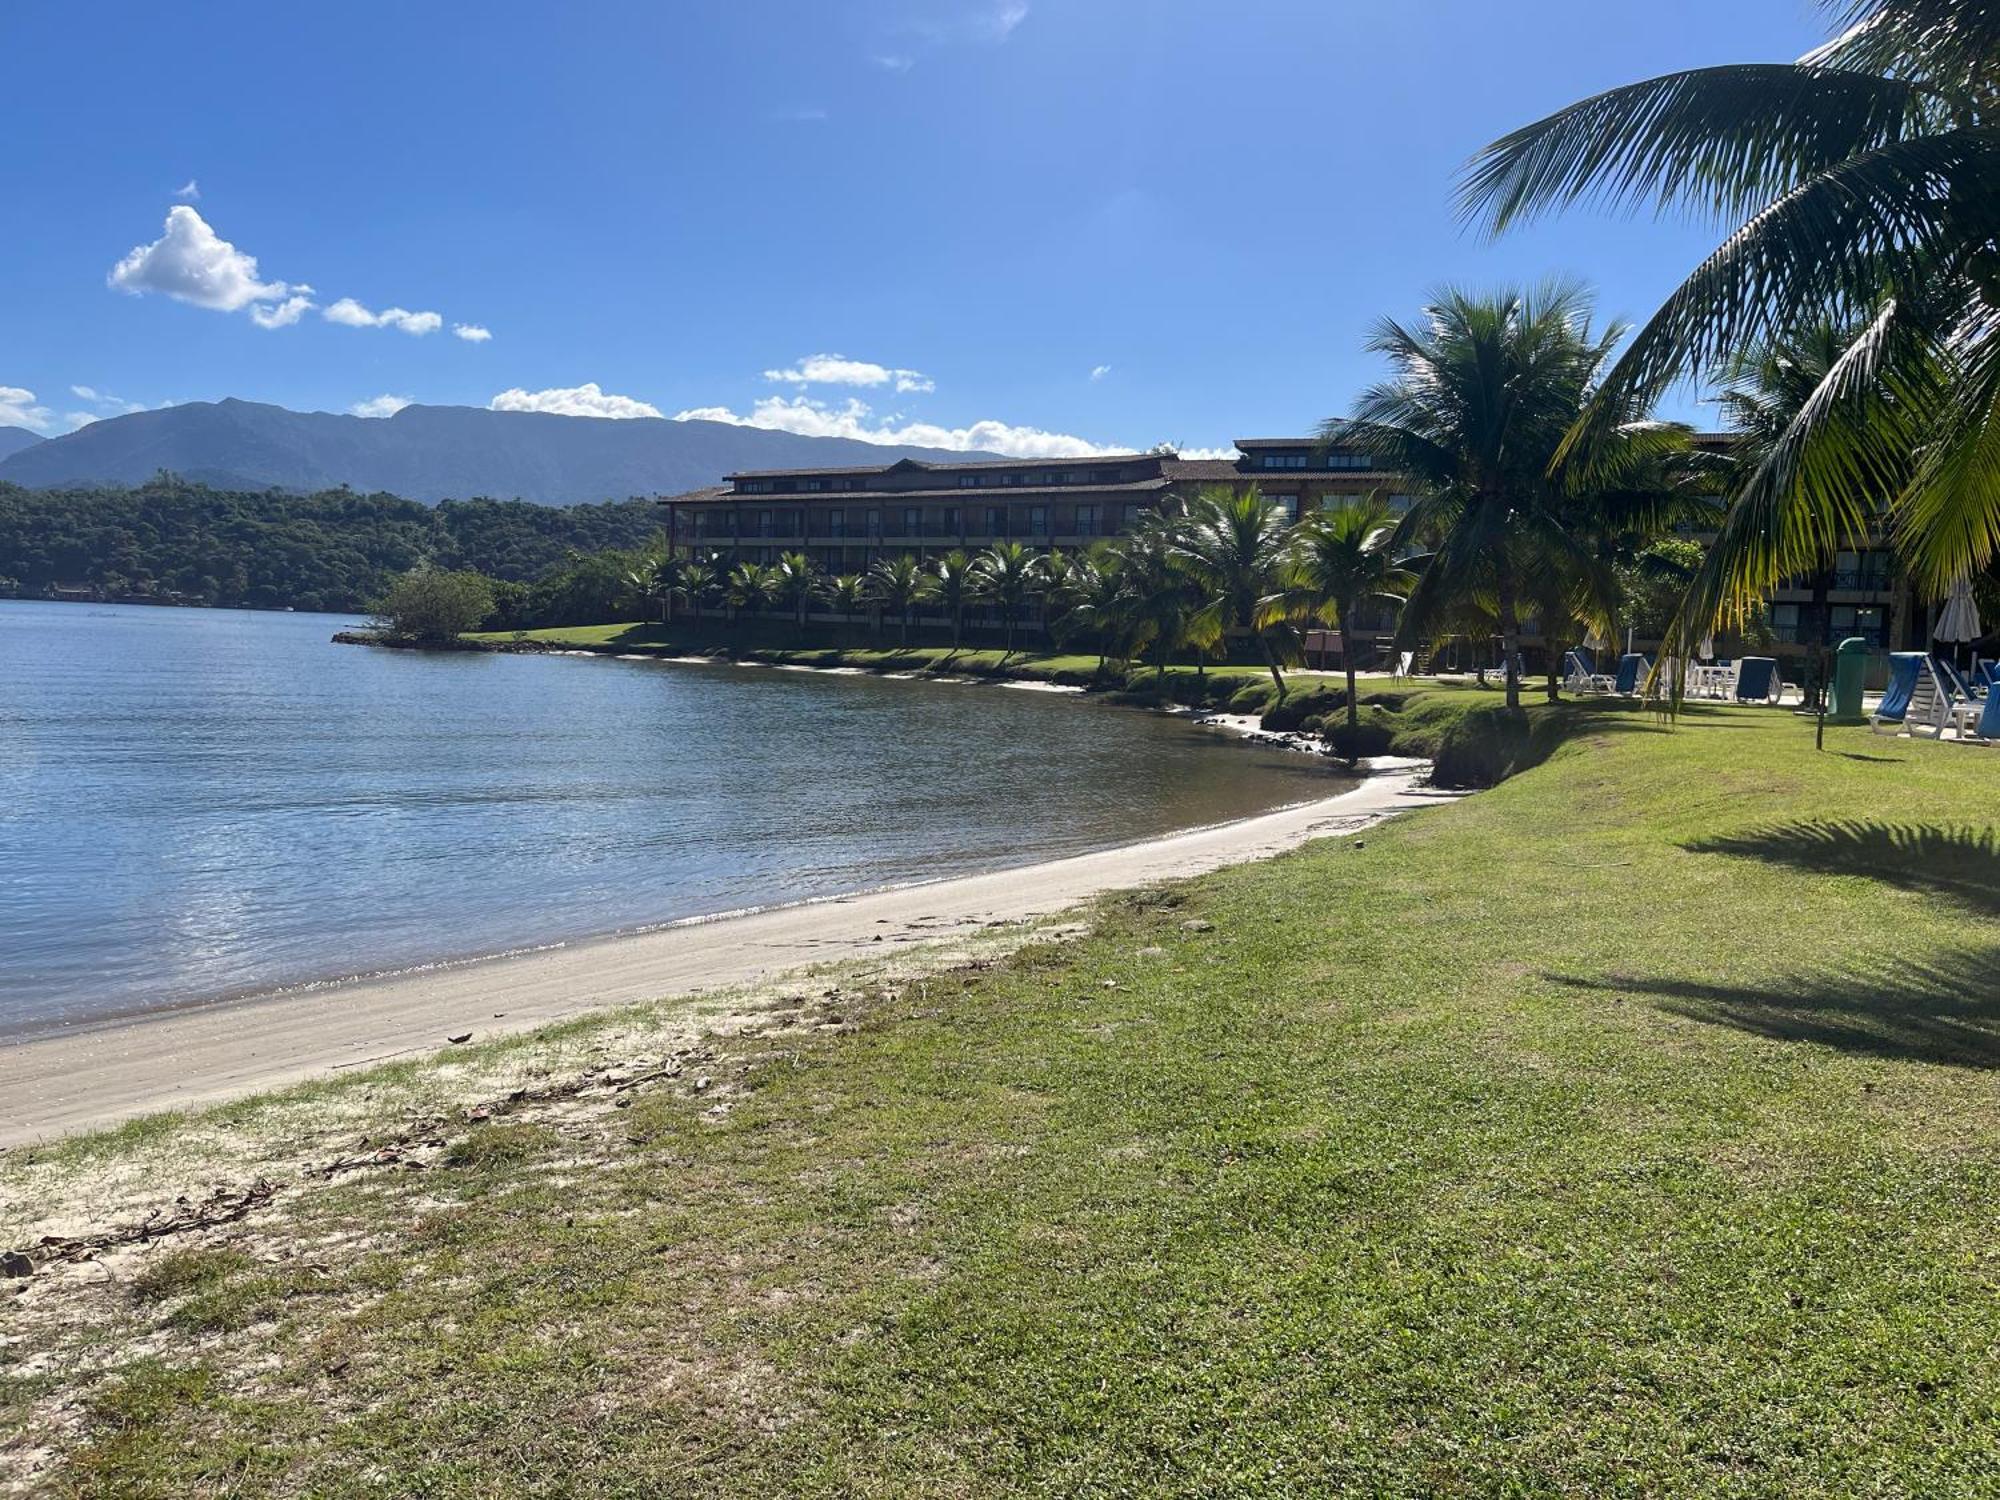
(1630, 1129)
(774, 640)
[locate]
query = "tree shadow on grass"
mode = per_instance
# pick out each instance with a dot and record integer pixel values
(1933, 1008)
(1961, 865)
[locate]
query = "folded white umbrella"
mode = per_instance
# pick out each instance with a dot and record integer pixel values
(1706, 650)
(1960, 620)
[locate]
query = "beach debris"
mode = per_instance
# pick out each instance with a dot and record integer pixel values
(1153, 951)
(701, 1084)
(223, 1206)
(463, 1036)
(1197, 924)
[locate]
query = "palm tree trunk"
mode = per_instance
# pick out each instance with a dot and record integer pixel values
(1510, 635)
(1271, 661)
(1347, 656)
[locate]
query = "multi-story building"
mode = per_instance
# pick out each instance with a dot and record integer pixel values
(847, 518)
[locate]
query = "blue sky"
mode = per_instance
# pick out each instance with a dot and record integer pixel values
(1120, 221)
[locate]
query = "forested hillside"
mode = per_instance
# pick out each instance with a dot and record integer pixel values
(335, 550)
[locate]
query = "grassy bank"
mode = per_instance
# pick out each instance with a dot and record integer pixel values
(1466, 736)
(1628, 1129)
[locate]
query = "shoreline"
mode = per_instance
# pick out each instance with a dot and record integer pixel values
(192, 1057)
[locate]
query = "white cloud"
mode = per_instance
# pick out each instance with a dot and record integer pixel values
(855, 419)
(573, 401)
(189, 190)
(351, 314)
(894, 62)
(472, 333)
(104, 401)
(838, 369)
(281, 314)
(18, 409)
(379, 406)
(80, 419)
(998, 23)
(191, 263)
(1098, 372)
(1229, 453)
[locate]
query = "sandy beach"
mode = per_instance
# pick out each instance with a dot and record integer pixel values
(187, 1058)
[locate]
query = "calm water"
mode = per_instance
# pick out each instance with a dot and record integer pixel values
(196, 803)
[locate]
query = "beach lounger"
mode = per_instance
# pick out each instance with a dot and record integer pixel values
(1580, 674)
(1895, 705)
(1633, 669)
(1987, 728)
(1757, 680)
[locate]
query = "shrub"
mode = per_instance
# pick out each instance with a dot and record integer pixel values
(427, 604)
(1296, 708)
(1372, 736)
(1252, 698)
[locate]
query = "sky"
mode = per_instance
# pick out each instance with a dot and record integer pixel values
(1029, 226)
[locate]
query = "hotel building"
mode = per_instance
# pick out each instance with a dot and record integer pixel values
(846, 519)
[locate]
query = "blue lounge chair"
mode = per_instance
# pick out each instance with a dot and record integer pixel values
(1757, 680)
(1895, 704)
(1633, 669)
(1961, 689)
(1988, 727)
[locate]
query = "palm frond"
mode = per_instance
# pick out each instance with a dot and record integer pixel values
(1723, 139)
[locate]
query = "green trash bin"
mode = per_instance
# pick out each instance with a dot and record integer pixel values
(1850, 665)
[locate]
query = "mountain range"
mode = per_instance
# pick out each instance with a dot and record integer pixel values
(14, 439)
(427, 453)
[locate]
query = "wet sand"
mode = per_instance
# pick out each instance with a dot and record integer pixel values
(188, 1058)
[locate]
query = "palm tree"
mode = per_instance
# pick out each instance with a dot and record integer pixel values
(847, 593)
(1089, 598)
(1864, 177)
(798, 578)
(1233, 546)
(951, 585)
(648, 580)
(747, 589)
(1338, 560)
(1157, 604)
(1485, 394)
(1007, 575)
(897, 584)
(700, 580)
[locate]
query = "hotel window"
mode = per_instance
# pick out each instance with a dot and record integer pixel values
(1284, 461)
(913, 520)
(950, 527)
(1086, 520)
(836, 523)
(1349, 461)
(1847, 619)
(1399, 505)
(1286, 505)
(874, 523)
(967, 481)
(996, 521)
(763, 523)
(1038, 520)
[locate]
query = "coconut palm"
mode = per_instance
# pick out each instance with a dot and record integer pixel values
(1485, 394)
(797, 582)
(897, 584)
(1158, 606)
(747, 589)
(1864, 177)
(1006, 575)
(700, 582)
(951, 585)
(1091, 600)
(1337, 561)
(648, 580)
(845, 593)
(1233, 547)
